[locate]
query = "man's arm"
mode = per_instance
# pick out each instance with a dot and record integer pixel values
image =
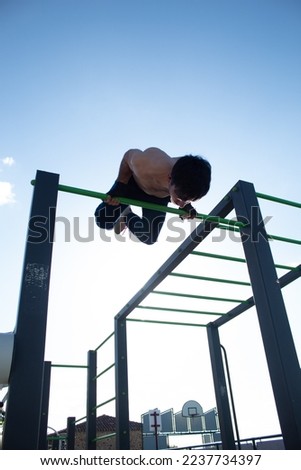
(119, 188)
(125, 169)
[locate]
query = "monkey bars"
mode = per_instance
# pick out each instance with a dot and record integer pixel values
(27, 384)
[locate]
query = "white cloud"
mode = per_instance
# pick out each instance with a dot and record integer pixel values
(6, 193)
(8, 161)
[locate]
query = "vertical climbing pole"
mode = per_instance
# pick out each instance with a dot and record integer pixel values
(277, 338)
(43, 444)
(71, 433)
(26, 379)
(91, 401)
(121, 384)
(221, 393)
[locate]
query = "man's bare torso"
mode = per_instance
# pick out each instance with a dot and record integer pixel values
(151, 170)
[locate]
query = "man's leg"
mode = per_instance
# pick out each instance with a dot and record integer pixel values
(106, 215)
(147, 228)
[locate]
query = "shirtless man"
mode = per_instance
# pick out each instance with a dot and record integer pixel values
(153, 176)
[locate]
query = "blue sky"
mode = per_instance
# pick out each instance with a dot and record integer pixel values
(83, 81)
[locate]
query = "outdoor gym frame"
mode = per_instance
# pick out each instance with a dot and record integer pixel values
(29, 378)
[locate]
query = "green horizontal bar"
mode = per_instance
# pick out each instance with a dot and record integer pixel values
(166, 309)
(147, 205)
(104, 371)
(203, 297)
(101, 438)
(227, 227)
(57, 438)
(212, 255)
(284, 239)
(165, 322)
(213, 279)
(270, 236)
(80, 419)
(69, 365)
(104, 403)
(239, 260)
(98, 195)
(219, 220)
(278, 200)
(107, 339)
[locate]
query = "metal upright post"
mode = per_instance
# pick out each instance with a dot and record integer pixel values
(231, 397)
(220, 386)
(43, 444)
(91, 401)
(277, 338)
(26, 379)
(121, 384)
(70, 433)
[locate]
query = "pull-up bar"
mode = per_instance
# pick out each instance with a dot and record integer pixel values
(240, 260)
(212, 279)
(278, 200)
(193, 296)
(220, 221)
(166, 322)
(269, 235)
(147, 205)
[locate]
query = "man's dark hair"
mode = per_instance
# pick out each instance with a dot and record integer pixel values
(191, 176)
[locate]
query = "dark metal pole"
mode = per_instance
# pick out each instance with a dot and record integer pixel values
(221, 394)
(155, 425)
(70, 433)
(276, 334)
(25, 388)
(43, 443)
(91, 401)
(121, 384)
(231, 397)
